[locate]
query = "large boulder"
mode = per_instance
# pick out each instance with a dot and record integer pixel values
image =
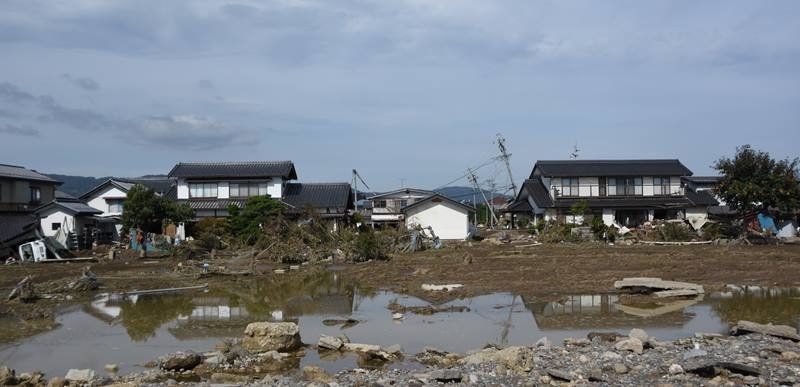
(180, 361)
(271, 336)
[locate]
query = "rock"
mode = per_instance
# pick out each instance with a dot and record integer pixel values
(271, 336)
(649, 283)
(179, 361)
(517, 358)
(225, 378)
(446, 375)
(317, 374)
(640, 334)
(750, 380)
(675, 369)
(356, 347)
(395, 350)
(609, 337)
(112, 368)
(544, 342)
(76, 375)
(559, 374)
(790, 356)
(608, 355)
(782, 331)
(7, 376)
(631, 344)
(57, 382)
(329, 343)
(576, 342)
(620, 368)
(583, 359)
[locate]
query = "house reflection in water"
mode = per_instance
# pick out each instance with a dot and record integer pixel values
(607, 311)
(225, 312)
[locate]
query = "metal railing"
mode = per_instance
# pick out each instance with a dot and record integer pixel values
(613, 191)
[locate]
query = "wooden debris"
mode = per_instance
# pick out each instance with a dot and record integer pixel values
(782, 331)
(24, 290)
(161, 291)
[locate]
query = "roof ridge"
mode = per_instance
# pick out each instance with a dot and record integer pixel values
(232, 162)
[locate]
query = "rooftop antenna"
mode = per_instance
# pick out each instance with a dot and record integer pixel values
(575, 150)
(504, 155)
(355, 187)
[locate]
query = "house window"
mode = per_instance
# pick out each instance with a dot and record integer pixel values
(115, 206)
(55, 226)
(661, 186)
(569, 186)
(203, 190)
(36, 194)
(243, 190)
(625, 186)
(380, 204)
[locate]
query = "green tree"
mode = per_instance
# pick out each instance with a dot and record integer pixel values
(752, 180)
(145, 210)
(247, 223)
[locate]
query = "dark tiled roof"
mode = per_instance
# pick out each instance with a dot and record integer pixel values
(438, 197)
(520, 206)
(318, 195)
(578, 168)
(72, 206)
(64, 195)
(703, 179)
(21, 173)
(13, 225)
(701, 198)
(253, 169)
(541, 196)
(213, 204)
(122, 185)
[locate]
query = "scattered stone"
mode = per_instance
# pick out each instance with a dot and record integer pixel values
(226, 378)
(544, 342)
(608, 337)
(640, 334)
(57, 381)
(570, 341)
(782, 331)
(620, 368)
(111, 368)
(608, 355)
(631, 344)
(675, 369)
(7, 376)
(448, 287)
(317, 374)
(446, 376)
(559, 374)
(710, 369)
(790, 356)
(179, 361)
(329, 343)
(83, 375)
(271, 336)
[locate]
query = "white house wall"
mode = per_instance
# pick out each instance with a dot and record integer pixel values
(183, 189)
(608, 216)
(447, 221)
(99, 201)
(275, 187)
(67, 222)
(223, 190)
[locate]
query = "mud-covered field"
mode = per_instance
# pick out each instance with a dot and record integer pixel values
(535, 271)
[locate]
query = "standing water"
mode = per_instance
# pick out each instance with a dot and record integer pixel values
(131, 331)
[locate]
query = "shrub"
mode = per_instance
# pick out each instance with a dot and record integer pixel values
(672, 231)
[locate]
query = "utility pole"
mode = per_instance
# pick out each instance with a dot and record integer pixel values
(474, 181)
(504, 155)
(355, 187)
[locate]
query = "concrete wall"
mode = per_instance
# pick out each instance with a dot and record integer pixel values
(447, 220)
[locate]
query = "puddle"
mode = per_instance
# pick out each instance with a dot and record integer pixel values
(134, 330)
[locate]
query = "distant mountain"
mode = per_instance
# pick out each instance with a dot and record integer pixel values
(466, 194)
(79, 185)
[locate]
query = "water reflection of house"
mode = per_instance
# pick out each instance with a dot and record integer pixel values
(604, 311)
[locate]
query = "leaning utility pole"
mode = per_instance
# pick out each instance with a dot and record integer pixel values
(355, 188)
(474, 180)
(504, 155)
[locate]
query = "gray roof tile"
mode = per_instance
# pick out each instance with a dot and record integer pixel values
(21, 173)
(252, 169)
(610, 168)
(318, 195)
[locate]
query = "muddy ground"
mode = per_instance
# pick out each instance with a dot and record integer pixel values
(534, 271)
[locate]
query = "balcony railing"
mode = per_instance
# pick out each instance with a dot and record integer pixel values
(613, 191)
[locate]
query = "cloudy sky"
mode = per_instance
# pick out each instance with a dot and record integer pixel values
(409, 92)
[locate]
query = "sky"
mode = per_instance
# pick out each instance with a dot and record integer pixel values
(411, 93)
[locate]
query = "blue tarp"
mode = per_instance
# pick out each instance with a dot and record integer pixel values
(767, 223)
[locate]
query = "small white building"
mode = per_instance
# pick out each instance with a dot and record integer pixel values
(65, 218)
(109, 198)
(448, 218)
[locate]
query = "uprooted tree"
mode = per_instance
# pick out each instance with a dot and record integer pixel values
(149, 212)
(752, 181)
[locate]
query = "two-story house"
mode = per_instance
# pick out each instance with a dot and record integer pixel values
(622, 192)
(22, 190)
(387, 207)
(209, 188)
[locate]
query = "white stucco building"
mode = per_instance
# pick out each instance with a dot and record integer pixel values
(448, 218)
